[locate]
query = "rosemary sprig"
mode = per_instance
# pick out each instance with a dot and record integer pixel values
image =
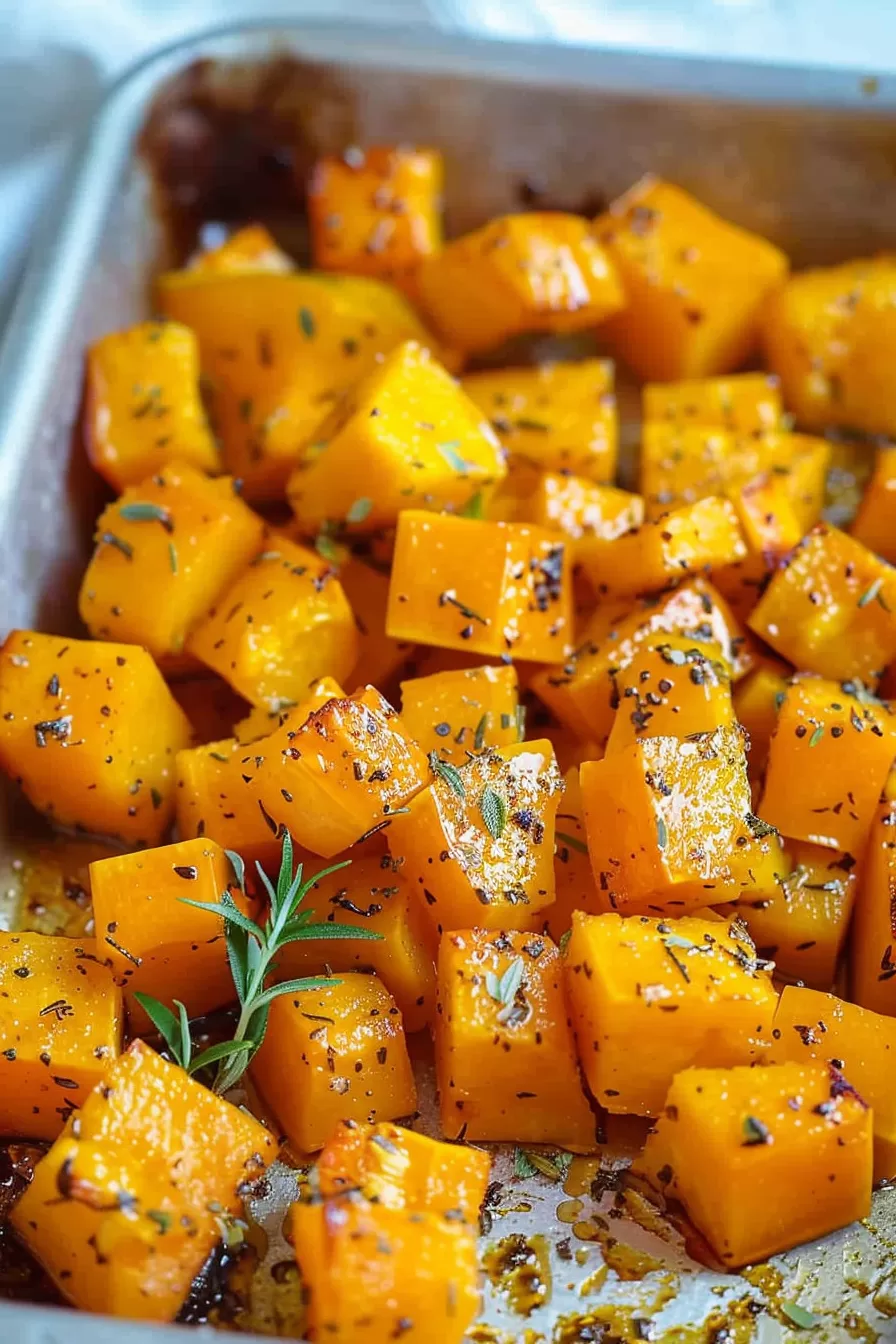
(251, 951)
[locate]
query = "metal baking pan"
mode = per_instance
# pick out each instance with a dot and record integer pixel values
(808, 157)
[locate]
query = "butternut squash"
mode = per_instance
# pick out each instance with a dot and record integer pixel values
(649, 997)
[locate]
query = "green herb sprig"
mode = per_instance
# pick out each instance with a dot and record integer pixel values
(251, 952)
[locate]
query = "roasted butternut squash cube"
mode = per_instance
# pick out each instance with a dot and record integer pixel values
(875, 524)
(802, 926)
(217, 799)
(408, 435)
(771, 527)
(245, 252)
(133, 1196)
(694, 283)
(456, 713)
(872, 970)
(681, 463)
(375, 1274)
(400, 1169)
(557, 417)
(810, 1025)
(217, 790)
(574, 886)
(164, 551)
(673, 687)
(827, 335)
(278, 351)
(837, 748)
(340, 774)
(649, 997)
(581, 692)
(831, 608)
(332, 1054)
(282, 624)
(794, 1128)
(518, 273)
(153, 942)
(757, 700)
(372, 894)
(670, 826)
(516, 601)
(90, 732)
(142, 406)
(376, 211)
(590, 515)
(478, 844)
(505, 1059)
(379, 658)
(60, 1027)
(746, 403)
(697, 538)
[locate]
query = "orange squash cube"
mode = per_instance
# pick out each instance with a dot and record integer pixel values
(134, 1195)
(283, 623)
(332, 1054)
(694, 284)
(478, 844)
(828, 335)
(517, 600)
(670, 826)
(372, 894)
(164, 551)
(518, 273)
(155, 943)
(558, 417)
(245, 252)
(409, 435)
(375, 1274)
(90, 732)
(582, 693)
(505, 1058)
(574, 885)
(60, 1027)
(672, 687)
(757, 700)
(793, 1140)
(379, 658)
(400, 1169)
(681, 463)
(340, 774)
(217, 799)
(872, 970)
(650, 997)
(831, 608)
(456, 713)
(771, 527)
(697, 538)
(376, 211)
(875, 524)
(837, 749)
(590, 515)
(810, 1025)
(746, 403)
(142, 406)
(217, 791)
(802, 926)
(278, 350)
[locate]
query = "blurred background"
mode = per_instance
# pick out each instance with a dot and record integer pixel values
(58, 56)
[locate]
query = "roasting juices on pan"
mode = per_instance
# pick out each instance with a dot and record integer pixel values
(301, 735)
